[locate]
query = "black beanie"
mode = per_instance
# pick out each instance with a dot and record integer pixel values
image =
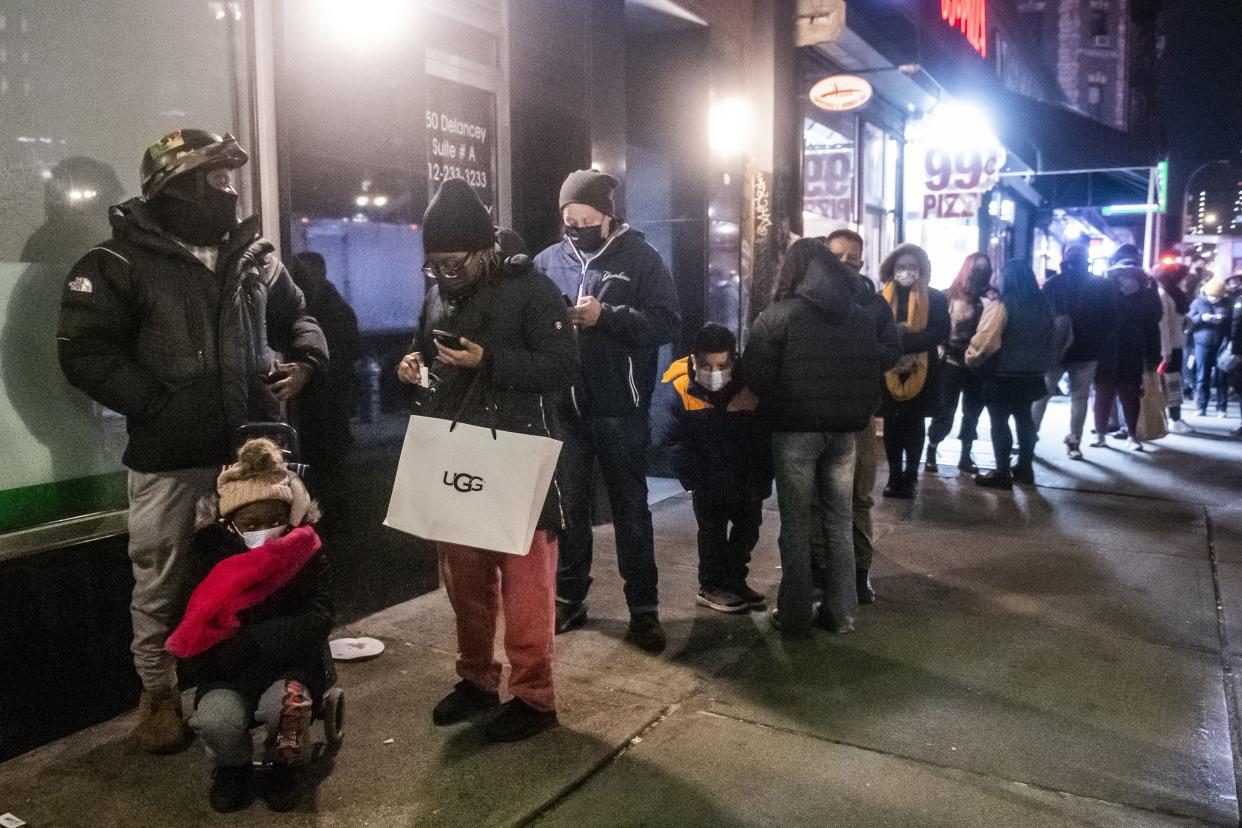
(456, 221)
(592, 188)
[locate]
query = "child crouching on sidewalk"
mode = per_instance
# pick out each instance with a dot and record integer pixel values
(723, 455)
(254, 634)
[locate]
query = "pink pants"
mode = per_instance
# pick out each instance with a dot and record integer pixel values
(479, 584)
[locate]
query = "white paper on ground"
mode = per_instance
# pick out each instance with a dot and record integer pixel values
(352, 649)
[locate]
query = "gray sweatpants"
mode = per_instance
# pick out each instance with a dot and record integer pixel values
(161, 528)
(223, 718)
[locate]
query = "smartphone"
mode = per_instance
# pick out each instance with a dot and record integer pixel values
(448, 340)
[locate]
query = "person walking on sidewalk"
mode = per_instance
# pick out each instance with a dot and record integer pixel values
(496, 342)
(815, 362)
(1132, 350)
(723, 455)
(176, 323)
(1011, 351)
(912, 387)
(624, 307)
(1090, 306)
(956, 380)
(1210, 318)
(1175, 305)
(847, 246)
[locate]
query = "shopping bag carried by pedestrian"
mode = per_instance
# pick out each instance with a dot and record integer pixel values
(1172, 386)
(472, 486)
(1152, 424)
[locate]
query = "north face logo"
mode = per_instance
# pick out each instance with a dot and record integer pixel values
(81, 285)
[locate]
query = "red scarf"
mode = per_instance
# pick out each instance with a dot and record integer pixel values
(238, 583)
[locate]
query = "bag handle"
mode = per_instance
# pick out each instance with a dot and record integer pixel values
(489, 404)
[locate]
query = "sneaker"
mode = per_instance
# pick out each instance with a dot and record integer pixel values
(570, 616)
(994, 480)
(646, 632)
(967, 465)
(465, 701)
(1120, 434)
(1099, 442)
(1023, 474)
(754, 600)
(1074, 451)
(1134, 445)
(282, 788)
(866, 593)
(721, 601)
(517, 720)
(290, 743)
(230, 788)
(1181, 427)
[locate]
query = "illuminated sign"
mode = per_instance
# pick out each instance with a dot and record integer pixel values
(841, 93)
(971, 18)
(956, 181)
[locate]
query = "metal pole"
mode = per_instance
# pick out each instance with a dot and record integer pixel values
(1148, 240)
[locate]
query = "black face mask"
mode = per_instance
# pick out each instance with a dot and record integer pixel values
(980, 278)
(586, 239)
(202, 221)
(467, 279)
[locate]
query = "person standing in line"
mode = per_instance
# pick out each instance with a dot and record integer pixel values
(1175, 306)
(912, 386)
(624, 306)
(177, 323)
(1132, 350)
(1011, 351)
(965, 309)
(815, 363)
(1209, 326)
(1090, 304)
(847, 246)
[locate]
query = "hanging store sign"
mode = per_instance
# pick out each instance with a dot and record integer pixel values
(970, 17)
(956, 181)
(841, 93)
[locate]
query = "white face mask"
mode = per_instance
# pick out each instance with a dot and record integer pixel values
(257, 538)
(906, 278)
(713, 380)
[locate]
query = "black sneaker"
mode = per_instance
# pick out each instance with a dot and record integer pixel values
(517, 720)
(992, 480)
(866, 594)
(1024, 475)
(465, 701)
(646, 632)
(754, 600)
(721, 601)
(230, 788)
(569, 616)
(282, 788)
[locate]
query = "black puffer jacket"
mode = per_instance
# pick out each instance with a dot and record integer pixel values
(815, 359)
(1091, 304)
(519, 318)
(148, 331)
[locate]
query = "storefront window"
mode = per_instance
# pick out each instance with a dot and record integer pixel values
(97, 84)
(828, 171)
(881, 163)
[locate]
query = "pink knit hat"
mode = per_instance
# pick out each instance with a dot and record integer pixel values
(260, 473)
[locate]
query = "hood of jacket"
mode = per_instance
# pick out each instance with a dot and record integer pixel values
(830, 287)
(889, 265)
(133, 221)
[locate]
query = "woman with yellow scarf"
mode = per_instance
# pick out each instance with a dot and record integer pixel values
(911, 388)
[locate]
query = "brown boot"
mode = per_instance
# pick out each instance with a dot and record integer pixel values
(161, 727)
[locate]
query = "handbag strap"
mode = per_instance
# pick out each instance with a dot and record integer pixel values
(478, 386)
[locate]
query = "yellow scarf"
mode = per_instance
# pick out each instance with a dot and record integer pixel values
(907, 385)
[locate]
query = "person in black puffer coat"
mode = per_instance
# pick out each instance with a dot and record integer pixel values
(1210, 317)
(912, 388)
(1132, 350)
(513, 351)
(815, 360)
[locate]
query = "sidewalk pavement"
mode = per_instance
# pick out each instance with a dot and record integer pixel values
(1051, 657)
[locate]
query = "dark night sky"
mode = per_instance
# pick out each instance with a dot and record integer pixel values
(1200, 95)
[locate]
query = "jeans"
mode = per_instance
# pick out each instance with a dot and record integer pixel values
(724, 550)
(957, 381)
(1001, 406)
(1081, 376)
(866, 459)
(480, 585)
(223, 718)
(1207, 378)
(815, 468)
(620, 444)
(905, 432)
(161, 529)
(1107, 394)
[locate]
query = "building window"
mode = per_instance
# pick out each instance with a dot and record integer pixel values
(828, 172)
(70, 149)
(1093, 95)
(1099, 29)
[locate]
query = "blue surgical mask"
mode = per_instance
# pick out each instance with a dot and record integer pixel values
(257, 538)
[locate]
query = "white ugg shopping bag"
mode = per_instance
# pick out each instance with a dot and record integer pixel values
(471, 486)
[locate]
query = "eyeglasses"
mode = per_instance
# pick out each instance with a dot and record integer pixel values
(433, 270)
